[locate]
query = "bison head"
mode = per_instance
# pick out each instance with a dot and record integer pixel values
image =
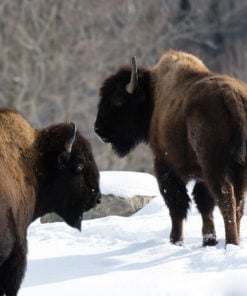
(124, 109)
(69, 178)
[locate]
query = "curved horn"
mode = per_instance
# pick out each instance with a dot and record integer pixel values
(131, 86)
(71, 138)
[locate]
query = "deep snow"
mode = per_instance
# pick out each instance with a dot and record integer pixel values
(117, 256)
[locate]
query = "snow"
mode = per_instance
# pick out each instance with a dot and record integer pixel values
(119, 256)
(128, 184)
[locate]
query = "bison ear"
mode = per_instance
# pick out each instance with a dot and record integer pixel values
(132, 85)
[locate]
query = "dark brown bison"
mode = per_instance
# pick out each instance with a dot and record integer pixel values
(41, 171)
(195, 123)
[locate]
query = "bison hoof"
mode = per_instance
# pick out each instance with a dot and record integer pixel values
(209, 240)
(179, 243)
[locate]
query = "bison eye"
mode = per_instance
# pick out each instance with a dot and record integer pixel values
(79, 168)
(62, 161)
(118, 101)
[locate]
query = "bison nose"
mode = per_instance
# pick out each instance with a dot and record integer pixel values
(96, 196)
(98, 199)
(101, 135)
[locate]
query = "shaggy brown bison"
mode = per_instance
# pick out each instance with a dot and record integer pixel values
(41, 171)
(195, 123)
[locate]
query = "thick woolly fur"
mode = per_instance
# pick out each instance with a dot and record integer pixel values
(195, 123)
(37, 177)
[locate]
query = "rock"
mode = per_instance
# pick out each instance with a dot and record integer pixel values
(113, 205)
(110, 205)
(50, 218)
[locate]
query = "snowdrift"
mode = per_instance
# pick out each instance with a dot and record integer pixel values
(118, 256)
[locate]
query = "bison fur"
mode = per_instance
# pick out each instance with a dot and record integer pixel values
(195, 123)
(42, 171)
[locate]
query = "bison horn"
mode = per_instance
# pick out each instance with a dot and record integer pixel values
(71, 138)
(131, 86)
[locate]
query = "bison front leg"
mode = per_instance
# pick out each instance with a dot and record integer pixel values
(13, 268)
(176, 198)
(205, 204)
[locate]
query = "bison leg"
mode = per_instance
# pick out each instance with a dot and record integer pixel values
(205, 204)
(7, 242)
(176, 198)
(239, 193)
(5, 251)
(240, 212)
(224, 194)
(228, 206)
(240, 187)
(13, 269)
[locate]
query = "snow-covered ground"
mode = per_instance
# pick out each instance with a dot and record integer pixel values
(118, 256)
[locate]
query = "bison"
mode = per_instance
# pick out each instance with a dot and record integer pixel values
(41, 171)
(195, 123)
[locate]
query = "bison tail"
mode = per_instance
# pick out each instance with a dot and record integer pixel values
(235, 105)
(238, 146)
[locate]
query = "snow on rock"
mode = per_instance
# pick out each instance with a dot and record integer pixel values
(128, 184)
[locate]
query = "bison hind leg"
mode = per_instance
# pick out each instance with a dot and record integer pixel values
(174, 192)
(224, 194)
(205, 205)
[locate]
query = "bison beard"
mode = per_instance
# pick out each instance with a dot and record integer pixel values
(49, 170)
(195, 123)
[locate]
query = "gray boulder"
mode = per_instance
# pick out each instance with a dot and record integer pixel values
(110, 205)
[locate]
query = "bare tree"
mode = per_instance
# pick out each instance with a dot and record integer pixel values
(54, 55)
